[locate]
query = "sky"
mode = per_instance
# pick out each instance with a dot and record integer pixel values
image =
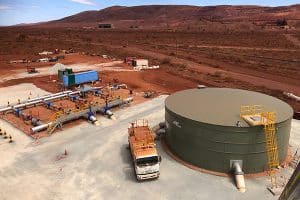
(30, 11)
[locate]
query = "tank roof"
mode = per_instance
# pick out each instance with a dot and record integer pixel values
(221, 106)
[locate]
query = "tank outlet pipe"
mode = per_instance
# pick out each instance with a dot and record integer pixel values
(239, 176)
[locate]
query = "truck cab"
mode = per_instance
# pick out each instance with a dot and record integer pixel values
(147, 167)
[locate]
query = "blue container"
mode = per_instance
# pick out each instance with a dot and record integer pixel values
(66, 80)
(79, 78)
(85, 77)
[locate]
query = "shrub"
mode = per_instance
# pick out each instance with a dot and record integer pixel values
(281, 22)
(166, 60)
(21, 37)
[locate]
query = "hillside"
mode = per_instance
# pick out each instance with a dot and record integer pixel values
(177, 16)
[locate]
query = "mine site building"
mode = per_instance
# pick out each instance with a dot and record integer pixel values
(105, 26)
(140, 63)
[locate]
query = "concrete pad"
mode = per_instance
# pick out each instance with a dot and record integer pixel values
(20, 91)
(98, 166)
(295, 135)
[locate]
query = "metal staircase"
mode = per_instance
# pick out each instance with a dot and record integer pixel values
(57, 117)
(55, 121)
(251, 114)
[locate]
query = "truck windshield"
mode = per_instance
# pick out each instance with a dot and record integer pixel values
(147, 160)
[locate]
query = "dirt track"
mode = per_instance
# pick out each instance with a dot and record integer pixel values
(235, 47)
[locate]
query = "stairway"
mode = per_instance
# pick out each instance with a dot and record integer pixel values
(55, 121)
(52, 127)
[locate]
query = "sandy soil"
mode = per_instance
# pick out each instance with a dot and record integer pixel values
(20, 91)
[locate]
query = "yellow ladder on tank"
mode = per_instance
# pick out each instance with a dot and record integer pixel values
(268, 120)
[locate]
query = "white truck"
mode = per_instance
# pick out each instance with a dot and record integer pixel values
(144, 154)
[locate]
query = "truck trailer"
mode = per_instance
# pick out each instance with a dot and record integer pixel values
(143, 151)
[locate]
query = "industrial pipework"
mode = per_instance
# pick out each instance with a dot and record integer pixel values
(38, 100)
(239, 175)
(35, 99)
(87, 113)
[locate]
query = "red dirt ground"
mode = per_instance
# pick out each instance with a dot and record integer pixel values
(260, 60)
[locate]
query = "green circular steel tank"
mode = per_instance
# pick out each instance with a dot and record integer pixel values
(201, 128)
